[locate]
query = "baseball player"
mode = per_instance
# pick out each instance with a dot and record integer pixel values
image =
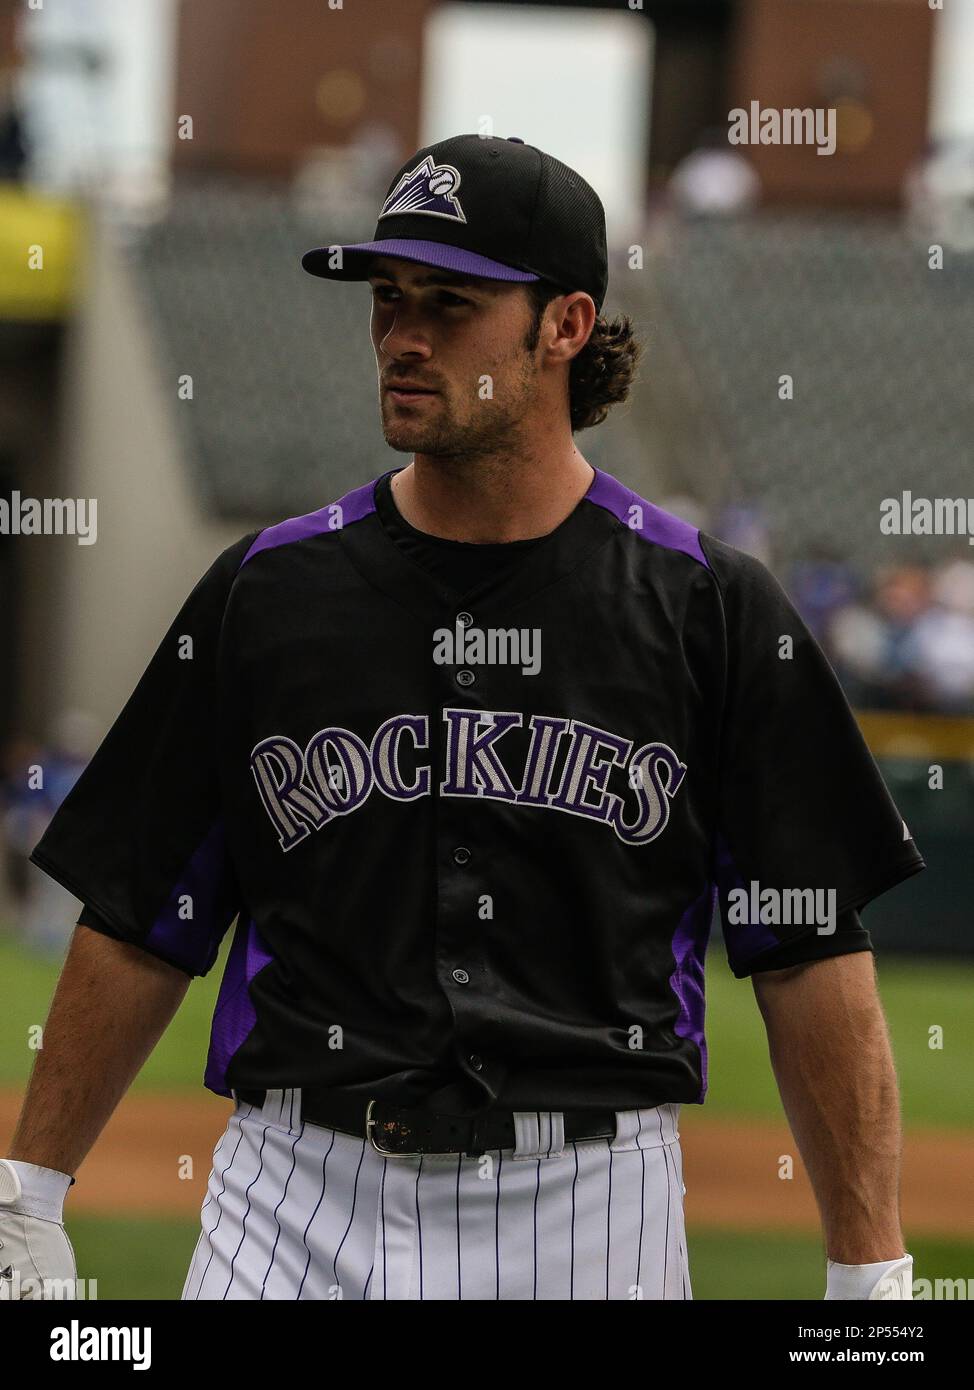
(469, 756)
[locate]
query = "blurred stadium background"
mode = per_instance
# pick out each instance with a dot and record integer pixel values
(162, 167)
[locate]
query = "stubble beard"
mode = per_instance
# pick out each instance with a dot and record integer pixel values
(493, 427)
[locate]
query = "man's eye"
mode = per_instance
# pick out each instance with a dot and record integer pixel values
(388, 294)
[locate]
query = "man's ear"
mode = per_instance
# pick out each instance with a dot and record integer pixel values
(574, 314)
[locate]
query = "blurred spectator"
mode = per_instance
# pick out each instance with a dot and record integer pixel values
(938, 195)
(899, 639)
(378, 154)
(942, 645)
(953, 586)
(855, 643)
(940, 654)
(911, 644)
(351, 177)
(714, 180)
(17, 755)
(13, 155)
(742, 524)
(872, 647)
(46, 912)
(819, 586)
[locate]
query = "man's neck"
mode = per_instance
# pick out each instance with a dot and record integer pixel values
(485, 502)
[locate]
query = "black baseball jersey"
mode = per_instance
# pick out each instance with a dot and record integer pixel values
(473, 833)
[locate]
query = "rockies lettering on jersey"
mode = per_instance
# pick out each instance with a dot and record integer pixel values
(302, 791)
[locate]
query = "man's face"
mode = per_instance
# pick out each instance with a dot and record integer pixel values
(463, 340)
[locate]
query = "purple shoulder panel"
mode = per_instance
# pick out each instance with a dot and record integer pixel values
(352, 507)
(645, 518)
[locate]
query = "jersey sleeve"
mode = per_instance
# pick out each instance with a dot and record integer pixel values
(849, 937)
(140, 836)
(88, 917)
(802, 808)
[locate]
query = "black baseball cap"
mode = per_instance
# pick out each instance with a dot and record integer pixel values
(489, 207)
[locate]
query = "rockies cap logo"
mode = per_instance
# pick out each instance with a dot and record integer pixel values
(429, 188)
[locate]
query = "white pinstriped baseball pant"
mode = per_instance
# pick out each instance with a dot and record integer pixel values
(296, 1211)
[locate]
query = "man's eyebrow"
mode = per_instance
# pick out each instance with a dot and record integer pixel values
(447, 278)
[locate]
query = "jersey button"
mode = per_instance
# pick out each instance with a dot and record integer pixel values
(461, 977)
(476, 1062)
(461, 855)
(465, 678)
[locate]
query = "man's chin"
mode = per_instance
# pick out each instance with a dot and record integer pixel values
(409, 440)
(399, 442)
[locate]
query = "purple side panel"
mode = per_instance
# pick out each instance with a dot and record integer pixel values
(354, 506)
(657, 525)
(208, 882)
(687, 981)
(234, 1016)
(744, 940)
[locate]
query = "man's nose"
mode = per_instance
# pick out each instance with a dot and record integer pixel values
(405, 335)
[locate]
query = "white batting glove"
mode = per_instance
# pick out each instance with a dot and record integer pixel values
(886, 1279)
(36, 1258)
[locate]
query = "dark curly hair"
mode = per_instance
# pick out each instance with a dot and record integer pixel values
(601, 375)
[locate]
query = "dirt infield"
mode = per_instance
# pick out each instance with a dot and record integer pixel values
(156, 1154)
(731, 1172)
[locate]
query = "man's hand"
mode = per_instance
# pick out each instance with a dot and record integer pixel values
(832, 1061)
(870, 1283)
(36, 1258)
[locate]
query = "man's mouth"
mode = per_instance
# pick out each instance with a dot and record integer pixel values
(406, 394)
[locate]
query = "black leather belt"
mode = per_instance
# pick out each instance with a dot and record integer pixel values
(400, 1131)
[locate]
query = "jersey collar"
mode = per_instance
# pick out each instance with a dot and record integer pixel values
(384, 564)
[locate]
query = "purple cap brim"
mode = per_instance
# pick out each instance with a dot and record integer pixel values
(356, 260)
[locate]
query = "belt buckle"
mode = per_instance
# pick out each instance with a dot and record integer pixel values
(371, 1124)
(370, 1127)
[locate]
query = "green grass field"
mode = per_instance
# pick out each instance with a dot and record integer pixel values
(147, 1258)
(26, 984)
(917, 994)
